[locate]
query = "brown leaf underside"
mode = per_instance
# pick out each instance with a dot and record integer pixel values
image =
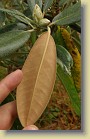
(39, 73)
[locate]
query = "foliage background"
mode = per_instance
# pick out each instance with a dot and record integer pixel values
(59, 113)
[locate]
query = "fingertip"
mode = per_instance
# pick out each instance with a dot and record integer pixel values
(18, 71)
(18, 75)
(31, 127)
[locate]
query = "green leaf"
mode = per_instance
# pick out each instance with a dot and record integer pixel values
(3, 72)
(7, 28)
(79, 24)
(65, 58)
(21, 26)
(68, 16)
(11, 41)
(39, 2)
(2, 15)
(18, 15)
(70, 88)
(13, 26)
(58, 37)
(62, 2)
(31, 4)
(77, 40)
(47, 5)
(28, 13)
(33, 37)
(76, 27)
(2, 18)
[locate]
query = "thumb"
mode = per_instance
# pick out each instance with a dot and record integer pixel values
(31, 127)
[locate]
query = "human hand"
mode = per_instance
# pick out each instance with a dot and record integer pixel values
(8, 112)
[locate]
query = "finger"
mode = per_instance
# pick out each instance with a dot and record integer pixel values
(9, 83)
(31, 127)
(8, 113)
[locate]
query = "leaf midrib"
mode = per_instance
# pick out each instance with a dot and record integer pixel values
(42, 59)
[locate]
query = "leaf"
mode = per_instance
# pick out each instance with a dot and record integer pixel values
(76, 27)
(77, 40)
(7, 28)
(47, 5)
(79, 24)
(71, 47)
(21, 26)
(70, 88)
(2, 18)
(39, 72)
(62, 2)
(28, 13)
(39, 2)
(58, 37)
(33, 37)
(68, 16)
(65, 57)
(3, 72)
(31, 4)
(11, 41)
(18, 15)
(2, 15)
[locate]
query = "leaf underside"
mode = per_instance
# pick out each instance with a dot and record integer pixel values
(39, 73)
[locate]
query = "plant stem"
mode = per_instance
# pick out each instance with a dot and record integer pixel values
(20, 4)
(49, 30)
(30, 21)
(32, 30)
(51, 24)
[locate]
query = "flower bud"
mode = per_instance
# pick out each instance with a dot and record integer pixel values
(44, 22)
(37, 13)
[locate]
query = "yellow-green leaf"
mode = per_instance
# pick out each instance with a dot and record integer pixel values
(76, 69)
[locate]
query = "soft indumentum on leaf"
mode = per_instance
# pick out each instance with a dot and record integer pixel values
(39, 73)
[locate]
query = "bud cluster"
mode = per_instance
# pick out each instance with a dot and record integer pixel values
(38, 16)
